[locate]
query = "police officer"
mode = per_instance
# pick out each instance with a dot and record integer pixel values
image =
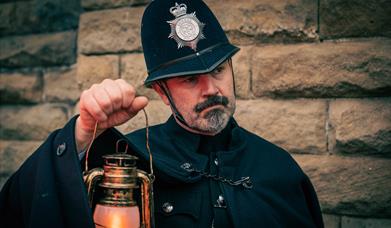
(210, 172)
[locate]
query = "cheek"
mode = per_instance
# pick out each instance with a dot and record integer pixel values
(184, 102)
(226, 85)
(228, 91)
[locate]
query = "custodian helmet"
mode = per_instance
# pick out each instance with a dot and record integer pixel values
(182, 37)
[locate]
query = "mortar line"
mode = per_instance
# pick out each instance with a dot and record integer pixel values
(318, 18)
(327, 125)
(40, 74)
(119, 66)
(250, 81)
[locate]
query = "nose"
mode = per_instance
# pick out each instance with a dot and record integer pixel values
(208, 85)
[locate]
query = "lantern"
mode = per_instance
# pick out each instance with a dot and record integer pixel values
(116, 207)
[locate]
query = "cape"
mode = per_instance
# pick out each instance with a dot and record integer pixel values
(48, 189)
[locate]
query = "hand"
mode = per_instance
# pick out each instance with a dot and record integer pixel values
(111, 103)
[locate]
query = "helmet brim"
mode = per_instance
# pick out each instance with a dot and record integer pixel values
(200, 62)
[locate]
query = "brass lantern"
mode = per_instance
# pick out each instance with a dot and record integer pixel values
(118, 179)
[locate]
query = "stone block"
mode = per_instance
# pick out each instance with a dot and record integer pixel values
(133, 70)
(55, 49)
(110, 31)
(250, 22)
(94, 69)
(295, 125)
(331, 221)
(12, 155)
(61, 85)
(359, 18)
(361, 126)
(354, 186)
(38, 16)
(242, 71)
(75, 109)
(31, 122)
(157, 113)
(351, 222)
(107, 4)
(19, 88)
(328, 69)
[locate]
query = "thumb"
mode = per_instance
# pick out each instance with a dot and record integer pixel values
(138, 103)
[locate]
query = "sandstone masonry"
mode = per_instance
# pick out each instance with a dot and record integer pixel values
(313, 77)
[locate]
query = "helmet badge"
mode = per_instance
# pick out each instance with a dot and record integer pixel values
(186, 29)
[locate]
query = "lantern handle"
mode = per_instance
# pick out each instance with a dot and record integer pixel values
(117, 146)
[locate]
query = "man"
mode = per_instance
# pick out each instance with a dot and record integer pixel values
(209, 171)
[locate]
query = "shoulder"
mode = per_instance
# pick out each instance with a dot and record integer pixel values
(260, 143)
(267, 153)
(140, 134)
(155, 135)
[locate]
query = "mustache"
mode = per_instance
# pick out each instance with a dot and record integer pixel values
(211, 101)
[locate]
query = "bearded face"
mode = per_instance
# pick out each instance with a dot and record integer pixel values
(206, 101)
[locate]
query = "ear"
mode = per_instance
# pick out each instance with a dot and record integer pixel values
(159, 91)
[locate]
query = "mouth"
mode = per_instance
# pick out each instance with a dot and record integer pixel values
(211, 108)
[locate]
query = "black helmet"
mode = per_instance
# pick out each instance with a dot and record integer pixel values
(182, 37)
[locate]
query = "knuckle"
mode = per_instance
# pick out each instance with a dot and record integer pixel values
(122, 82)
(106, 106)
(131, 90)
(83, 94)
(107, 80)
(93, 86)
(97, 113)
(85, 97)
(118, 102)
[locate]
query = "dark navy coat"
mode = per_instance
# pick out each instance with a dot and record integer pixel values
(48, 189)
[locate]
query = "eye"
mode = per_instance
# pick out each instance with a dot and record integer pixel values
(190, 79)
(218, 70)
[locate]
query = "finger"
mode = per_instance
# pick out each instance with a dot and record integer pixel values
(87, 120)
(103, 99)
(128, 93)
(91, 106)
(114, 92)
(138, 103)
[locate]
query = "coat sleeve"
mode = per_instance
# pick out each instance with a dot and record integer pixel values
(312, 202)
(18, 193)
(9, 210)
(48, 189)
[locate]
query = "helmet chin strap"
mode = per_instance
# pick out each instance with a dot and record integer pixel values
(175, 111)
(233, 76)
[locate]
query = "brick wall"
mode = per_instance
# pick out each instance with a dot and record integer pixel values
(314, 77)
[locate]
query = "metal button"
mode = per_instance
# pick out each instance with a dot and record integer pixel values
(61, 149)
(216, 162)
(220, 202)
(186, 166)
(167, 207)
(220, 199)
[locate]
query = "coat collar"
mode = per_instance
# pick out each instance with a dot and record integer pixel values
(173, 146)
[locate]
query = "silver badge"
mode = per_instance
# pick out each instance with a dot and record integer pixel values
(186, 29)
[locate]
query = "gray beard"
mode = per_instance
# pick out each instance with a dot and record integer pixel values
(217, 121)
